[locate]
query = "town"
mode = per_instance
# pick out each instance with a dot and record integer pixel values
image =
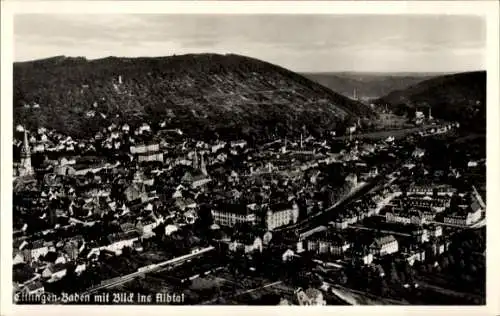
(306, 221)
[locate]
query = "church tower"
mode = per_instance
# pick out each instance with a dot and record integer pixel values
(283, 149)
(25, 168)
(195, 160)
(203, 165)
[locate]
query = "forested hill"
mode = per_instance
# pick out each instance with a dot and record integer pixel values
(459, 97)
(203, 94)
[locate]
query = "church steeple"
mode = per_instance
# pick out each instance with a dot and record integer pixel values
(203, 166)
(195, 160)
(25, 150)
(25, 169)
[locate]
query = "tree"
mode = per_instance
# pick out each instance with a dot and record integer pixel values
(205, 219)
(473, 269)
(342, 279)
(423, 268)
(451, 260)
(445, 263)
(127, 252)
(384, 287)
(394, 277)
(461, 265)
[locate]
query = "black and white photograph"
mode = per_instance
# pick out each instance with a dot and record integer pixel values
(248, 159)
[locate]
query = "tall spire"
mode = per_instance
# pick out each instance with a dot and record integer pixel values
(203, 166)
(195, 160)
(25, 150)
(25, 169)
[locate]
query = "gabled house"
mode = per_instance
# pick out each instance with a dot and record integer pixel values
(190, 216)
(135, 191)
(327, 242)
(137, 245)
(54, 272)
(416, 255)
(36, 249)
(146, 226)
(178, 192)
(266, 239)
(384, 245)
(248, 244)
(34, 288)
(17, 257)
(118, 241)
(169, 229)
(287, 255)
(200, 180)
(61, 259)
(80, 267)
(281, 214)
(127, 227)
(361, 254)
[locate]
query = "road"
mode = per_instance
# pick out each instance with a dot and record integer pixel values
(242, 292)
(328, 214)
(446, 291)
(479, 224)
(476, 225)
(345, 200)
(390, 232)
(397, 133)
(357, 297)
(343, 295)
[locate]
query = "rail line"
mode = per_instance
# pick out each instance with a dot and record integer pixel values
(148, 269)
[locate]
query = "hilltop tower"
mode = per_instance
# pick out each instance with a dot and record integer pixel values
(25, 168)
(354, 94)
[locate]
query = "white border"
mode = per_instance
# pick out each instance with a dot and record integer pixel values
(488, 9)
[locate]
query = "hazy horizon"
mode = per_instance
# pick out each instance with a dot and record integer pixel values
(374, 73)
(302, 43)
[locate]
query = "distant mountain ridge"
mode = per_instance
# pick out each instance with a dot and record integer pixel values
(459, 97)
(368, 85)
(204, 94)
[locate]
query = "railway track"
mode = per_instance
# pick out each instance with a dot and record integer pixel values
(148, 269)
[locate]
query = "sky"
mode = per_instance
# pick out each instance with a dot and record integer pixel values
(302, 43)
